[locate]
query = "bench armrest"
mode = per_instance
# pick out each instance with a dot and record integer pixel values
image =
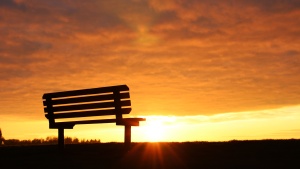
(130, 121)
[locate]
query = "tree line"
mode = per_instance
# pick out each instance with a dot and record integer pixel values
(50, 140)
(47, 140)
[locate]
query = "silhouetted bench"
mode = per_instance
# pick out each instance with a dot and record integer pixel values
(104, 105)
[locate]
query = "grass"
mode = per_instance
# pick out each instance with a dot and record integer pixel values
(232, 154)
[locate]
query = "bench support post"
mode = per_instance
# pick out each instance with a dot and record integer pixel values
(61, 139)
(127, 138)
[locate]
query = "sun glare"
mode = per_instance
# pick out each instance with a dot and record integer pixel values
(156, 127)
(154, 131)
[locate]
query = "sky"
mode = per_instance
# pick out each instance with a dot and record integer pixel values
(197, 70)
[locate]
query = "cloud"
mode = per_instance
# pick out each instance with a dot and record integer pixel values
(275, 6)
(231, 18)
(178, 57)
(268, 116)
(11, 4)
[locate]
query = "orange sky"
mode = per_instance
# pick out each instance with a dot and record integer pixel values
(202, 68)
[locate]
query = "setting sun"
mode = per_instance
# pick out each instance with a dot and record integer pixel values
(157, 128)
(154, 130)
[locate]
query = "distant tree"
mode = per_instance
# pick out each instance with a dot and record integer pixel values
(51, 140)
(37, 141)
(75, 140)
(1, 138)
(68, 140)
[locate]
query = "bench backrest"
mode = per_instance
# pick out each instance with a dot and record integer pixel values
(112, 100)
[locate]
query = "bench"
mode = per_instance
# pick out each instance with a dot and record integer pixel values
(66, 109)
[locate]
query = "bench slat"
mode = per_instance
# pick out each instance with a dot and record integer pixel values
(132, 120)
(86, 91)
(86, 99)
(89, 106)
(88, 113)
(71, 124)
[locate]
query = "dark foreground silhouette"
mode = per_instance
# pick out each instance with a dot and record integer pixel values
(233, 154)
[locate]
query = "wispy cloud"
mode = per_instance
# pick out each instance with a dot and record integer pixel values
(270, 114)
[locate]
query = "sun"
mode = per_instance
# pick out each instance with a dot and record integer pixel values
(154, 131)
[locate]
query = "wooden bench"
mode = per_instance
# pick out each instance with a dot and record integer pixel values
(89, 106)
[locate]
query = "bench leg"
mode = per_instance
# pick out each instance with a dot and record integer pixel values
(61, 138)
(127, 138)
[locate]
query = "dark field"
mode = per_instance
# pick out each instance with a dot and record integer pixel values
(234, 154)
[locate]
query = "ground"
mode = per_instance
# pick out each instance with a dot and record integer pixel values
(233, 154)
